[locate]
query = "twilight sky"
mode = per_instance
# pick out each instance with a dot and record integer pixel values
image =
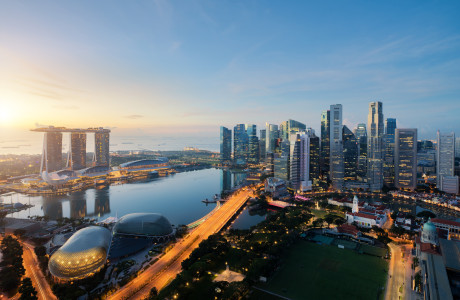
(157, 68)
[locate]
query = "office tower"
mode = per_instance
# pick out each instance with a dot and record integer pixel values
(406, 158)
(226, 180)
(350, 154)
(225, 145)
(375, 131)
(52, 152)
(240, 145)
(457, 147)
(389, 153)
(270, 162)
(272, 135)
(262, 142)
(361, 137)
(77, 154)
(253, 153)
(283, 130)
(325, 143)
(314, 157)
(101, 149)
(281, 161)
(300, 161)
(444, 157)
(336, 146)
(425, 145)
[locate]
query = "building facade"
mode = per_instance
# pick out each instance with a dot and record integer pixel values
(389, 155)
(325, 142)
(77, 153)
(445, 157)
(102, 149)
(300, 161)
(240, 145)
(52, 152)
(406, 158)
(350, 155)
(225, 145)
(336, 167)
(272, 134)
(375, 130)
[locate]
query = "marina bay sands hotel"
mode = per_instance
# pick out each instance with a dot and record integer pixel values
(76, 159)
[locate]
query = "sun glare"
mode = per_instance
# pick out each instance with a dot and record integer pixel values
(6, 114)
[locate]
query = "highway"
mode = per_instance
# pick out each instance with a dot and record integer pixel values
(169, 265)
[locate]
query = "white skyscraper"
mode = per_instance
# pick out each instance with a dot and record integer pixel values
(336, 146)
(445, 161)
(375, 132)
(300, 161)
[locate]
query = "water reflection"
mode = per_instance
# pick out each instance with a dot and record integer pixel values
(102, 201)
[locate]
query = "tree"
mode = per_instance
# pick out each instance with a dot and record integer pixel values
(40, 251)
(27, 290)
(329, 219)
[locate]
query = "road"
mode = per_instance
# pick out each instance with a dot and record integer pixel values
(400, 271)
(169, 265)
(33, 271)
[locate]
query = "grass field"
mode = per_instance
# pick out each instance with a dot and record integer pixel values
(313, 271)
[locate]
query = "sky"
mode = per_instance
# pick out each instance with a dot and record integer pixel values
(184, 68)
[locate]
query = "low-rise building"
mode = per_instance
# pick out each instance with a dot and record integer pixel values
(448, 229)
(275, 187)
(368, 215)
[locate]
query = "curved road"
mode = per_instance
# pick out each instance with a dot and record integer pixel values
(169, 265)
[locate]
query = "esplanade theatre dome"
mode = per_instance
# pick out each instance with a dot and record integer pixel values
(82, 255)
(143, 224)
(135, 232)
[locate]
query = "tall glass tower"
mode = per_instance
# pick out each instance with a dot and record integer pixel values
(325, 143)
(240, 145)
(253, 144)
(406, 158)
(389, 153)
(361, 137)
(225, 145)
(375, 131)
(336, 146)
(350, 154)
(445, 157)
(272, 134)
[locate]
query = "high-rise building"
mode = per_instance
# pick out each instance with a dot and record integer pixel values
(457, 147)
(77, 153)
(361, 137)
(102, 148)
(281, 162)
(350, 154)
(406, 158)
(389, 153)
(300, 161)
(336, 146)
(272, 134)
(253, 144)
(424, 145)
(262, 142)
(375, 131)
(52, 152)
(325, 142)
(225, 145)
(445, 160)
(314, 157)
(240, 145)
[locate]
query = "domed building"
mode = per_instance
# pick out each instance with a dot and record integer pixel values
(134, 232)
(82, 255)
(429, 234)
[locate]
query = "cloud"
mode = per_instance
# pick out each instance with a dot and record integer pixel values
(134, 117)
(69, 107)
(38, 125)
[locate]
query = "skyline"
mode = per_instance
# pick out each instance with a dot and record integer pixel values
(184, 69)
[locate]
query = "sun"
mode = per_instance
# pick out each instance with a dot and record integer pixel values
(6, 114)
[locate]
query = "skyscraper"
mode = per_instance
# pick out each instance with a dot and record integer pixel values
(52, 152)
(102, 148)
(361, 136)
(77, 153)
(336, 146)
(389, 153)
(325, 143)
(457, 147)
(281, 161)
(375, 131)
(253, 144)
(262, 142)
(272, 134)
(300, 161)
(445, 161)
(350, 154)
(314, 157)
(240, 145)
(406, 158)
(225, 145)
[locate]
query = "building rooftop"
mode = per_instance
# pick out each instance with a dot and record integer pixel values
(451, 254)
(445, 222)
(146, 224)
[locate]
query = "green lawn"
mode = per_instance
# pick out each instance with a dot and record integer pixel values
(312, 271)
(319, 213)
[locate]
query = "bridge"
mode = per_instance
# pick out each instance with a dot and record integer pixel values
(168, 266)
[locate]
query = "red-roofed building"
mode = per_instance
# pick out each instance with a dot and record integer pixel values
(449, 228)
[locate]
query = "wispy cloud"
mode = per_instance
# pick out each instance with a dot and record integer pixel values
(66, 107)
(134, 117)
